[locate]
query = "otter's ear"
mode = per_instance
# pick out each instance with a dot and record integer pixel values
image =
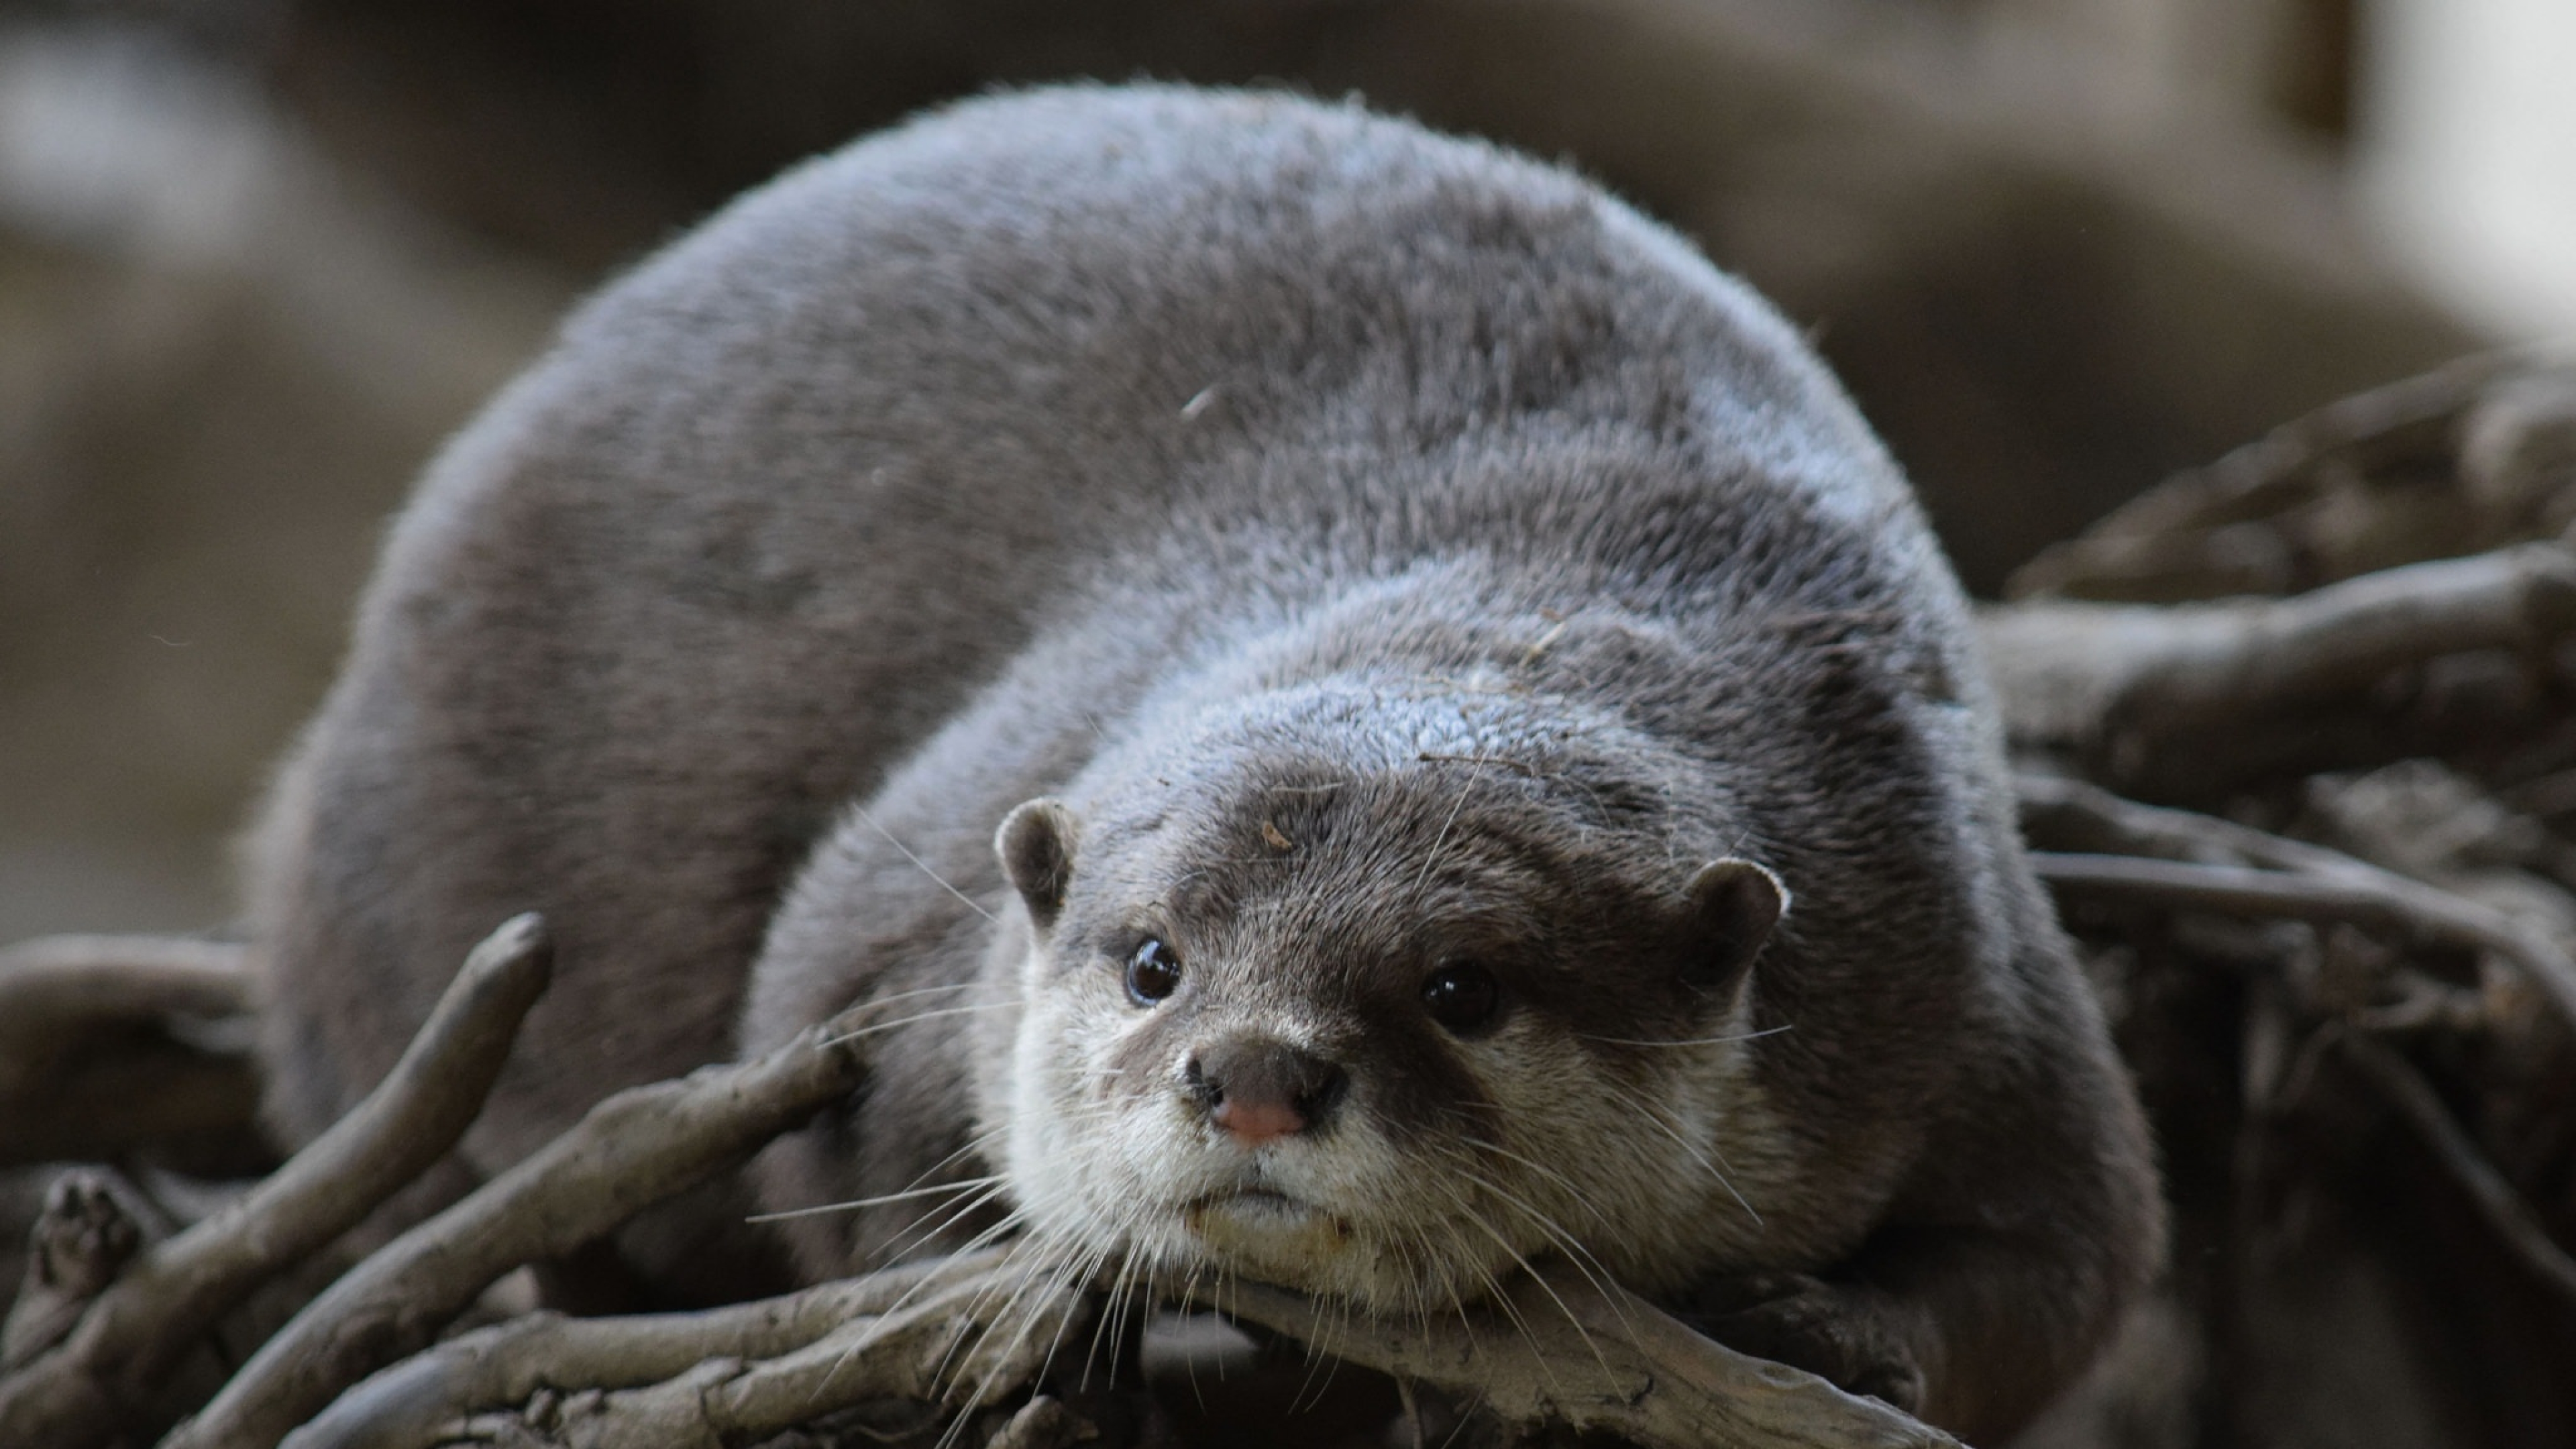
(1736, 903)
(1036, 844)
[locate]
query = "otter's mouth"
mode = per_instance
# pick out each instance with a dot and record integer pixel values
(1266, 1227)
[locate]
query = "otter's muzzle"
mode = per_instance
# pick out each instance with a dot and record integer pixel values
(1257, 1089)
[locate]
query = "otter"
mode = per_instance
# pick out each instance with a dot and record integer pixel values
(1365, 712)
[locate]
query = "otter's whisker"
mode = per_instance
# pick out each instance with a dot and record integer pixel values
(904, 1241)
(1575, 1253)
(1493, 1286)
(1186, 1302)
(1074, 1268)
(1047, 1267)
(1540, 1220)
(1082, 1269)
(1431, 857)
(1581, 1198)
(876, 1028)
(1690, 1041)
(1112, 1322)
(865, 1341)
(1008, 1222)
(936, 878)
(1562, 1306)
(975, 1314)
(875, 1001)
(856, 1203)
(1655, 1114)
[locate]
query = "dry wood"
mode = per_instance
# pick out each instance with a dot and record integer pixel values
(963, 1345)
(60, 995)
(2504, 1210)
(2130, 686)
(1562, 1349)
(418, 1401)
(58, 983)
(2063, 814)
(78, 1393)
(629, 1152)
(2389, 902)
(93, 1224)
(1043, 1423)
(2205, 527)
(1566, 1348)
(961, 1333)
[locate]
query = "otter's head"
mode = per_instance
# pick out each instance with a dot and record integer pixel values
(1374, 994)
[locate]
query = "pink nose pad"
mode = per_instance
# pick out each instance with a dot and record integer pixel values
(1254, 1123)
(1259, 1089)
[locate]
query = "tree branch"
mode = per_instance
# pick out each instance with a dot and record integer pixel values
(416, 1403)
(77, 1393)
(1565, 1348)
(93, 1224)
(2193, 527)
(2506, 1213)
(2378, 898)
(2130, 686)
(631, 1151)
(64, 998)
(964, 1344)
(53, 982)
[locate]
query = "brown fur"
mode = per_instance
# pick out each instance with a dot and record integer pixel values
(1384, 553)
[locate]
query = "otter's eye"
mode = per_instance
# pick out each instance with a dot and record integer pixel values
(1461, 998)
(1153, 973)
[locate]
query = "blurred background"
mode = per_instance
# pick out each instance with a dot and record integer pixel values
(257, 257)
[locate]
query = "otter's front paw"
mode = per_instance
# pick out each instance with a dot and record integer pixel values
(1835, 1333)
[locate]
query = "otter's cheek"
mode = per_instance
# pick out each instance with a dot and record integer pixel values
(1042, 1148)
(1066, 1135)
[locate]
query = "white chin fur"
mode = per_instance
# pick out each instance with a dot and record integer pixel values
(1139, 1183)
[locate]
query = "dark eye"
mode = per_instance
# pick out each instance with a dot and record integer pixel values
(1153, 973)
(1461, 998)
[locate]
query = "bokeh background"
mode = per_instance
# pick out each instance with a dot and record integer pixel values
(257, 257)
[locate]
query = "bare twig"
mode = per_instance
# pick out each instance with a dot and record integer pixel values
(2504, 1209)
(2180, 523)
(2125, 684)
(1043, 1423)
(1566, 1348)
(58, 982)
(2064, 814)
(76, 1393)
(2058, 811)
(92, 1226)
(965, 1344)
(631, 1151)
(1563, 1349)
(414, 1402)
(2363, 895)
(61, 996)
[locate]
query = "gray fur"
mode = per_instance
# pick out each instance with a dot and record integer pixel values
(1236, 469)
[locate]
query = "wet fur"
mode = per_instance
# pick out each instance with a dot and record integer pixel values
(1214, 462)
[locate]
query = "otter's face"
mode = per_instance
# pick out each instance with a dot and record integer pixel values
(1381, 1039)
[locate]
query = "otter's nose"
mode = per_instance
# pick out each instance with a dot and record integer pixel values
(1261, 1088)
